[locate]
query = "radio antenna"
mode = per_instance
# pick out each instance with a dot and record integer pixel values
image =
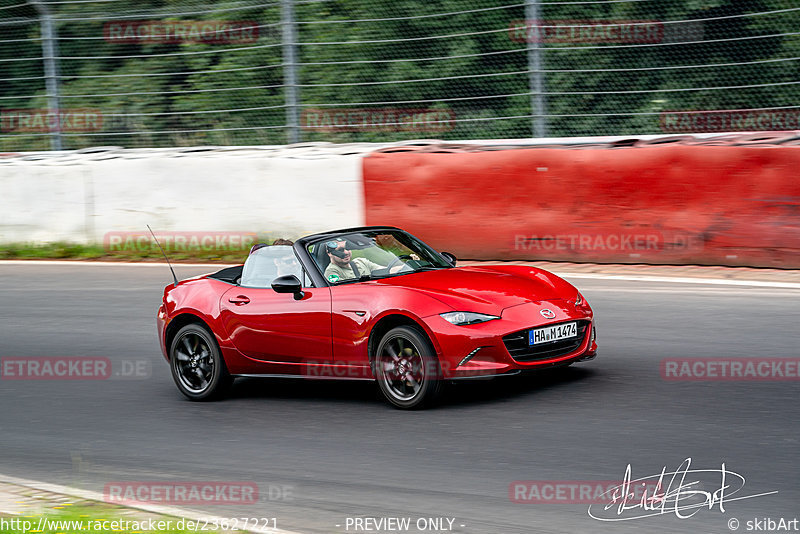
(175, 278)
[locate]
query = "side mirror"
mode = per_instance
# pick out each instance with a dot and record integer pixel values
(288, 283)
(449, 257)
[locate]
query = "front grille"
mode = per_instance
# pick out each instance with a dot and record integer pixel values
(517, 345)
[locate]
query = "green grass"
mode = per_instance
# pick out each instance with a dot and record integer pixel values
(97, 518)
(74, 251)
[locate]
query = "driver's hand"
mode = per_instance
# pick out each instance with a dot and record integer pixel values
(414, 257)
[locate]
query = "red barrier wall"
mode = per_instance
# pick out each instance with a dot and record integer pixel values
(678, 204)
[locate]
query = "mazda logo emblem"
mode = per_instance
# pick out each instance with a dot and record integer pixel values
(547, 313)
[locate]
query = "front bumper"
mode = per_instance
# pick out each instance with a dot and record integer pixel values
(500, 347)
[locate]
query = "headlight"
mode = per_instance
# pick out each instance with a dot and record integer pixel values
(579, 299)
(462, 318)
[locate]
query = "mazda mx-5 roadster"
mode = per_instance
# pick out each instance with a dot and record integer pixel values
(371, 303)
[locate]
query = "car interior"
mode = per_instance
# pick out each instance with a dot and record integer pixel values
(353, 242)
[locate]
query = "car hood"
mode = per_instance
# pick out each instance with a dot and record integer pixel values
(488, 289)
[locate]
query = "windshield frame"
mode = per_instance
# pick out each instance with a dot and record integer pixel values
(416, 245)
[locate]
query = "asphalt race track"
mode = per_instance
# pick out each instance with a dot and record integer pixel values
(321, 452)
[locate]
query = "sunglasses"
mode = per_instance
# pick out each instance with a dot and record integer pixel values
(333, 245)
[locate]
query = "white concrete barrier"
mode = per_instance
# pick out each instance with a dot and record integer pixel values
(81, 199)
(80, 196)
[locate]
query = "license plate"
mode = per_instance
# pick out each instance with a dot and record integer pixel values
(552, 333)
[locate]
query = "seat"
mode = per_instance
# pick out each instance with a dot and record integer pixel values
(321, 257)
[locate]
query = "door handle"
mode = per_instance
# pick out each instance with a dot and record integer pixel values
(239, 300)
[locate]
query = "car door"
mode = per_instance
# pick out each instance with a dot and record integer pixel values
(275, 327)
(354, 307)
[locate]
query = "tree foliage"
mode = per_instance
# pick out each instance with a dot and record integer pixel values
(191, 93)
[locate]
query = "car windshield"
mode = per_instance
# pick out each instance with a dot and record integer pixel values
(372, 254)
(266, 263)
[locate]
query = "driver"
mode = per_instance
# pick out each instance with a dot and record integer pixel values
(344, 267)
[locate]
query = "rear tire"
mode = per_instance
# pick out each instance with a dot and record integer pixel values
(197, 365)
(407, 370)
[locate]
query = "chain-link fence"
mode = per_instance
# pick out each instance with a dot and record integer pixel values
(190, 72)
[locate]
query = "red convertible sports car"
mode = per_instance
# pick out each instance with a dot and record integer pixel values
(369, 303)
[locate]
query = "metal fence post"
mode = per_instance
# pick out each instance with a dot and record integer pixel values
(50, 57)
(536, 76)
(290, 71)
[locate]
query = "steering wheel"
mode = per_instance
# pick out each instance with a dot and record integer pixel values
(397, 260)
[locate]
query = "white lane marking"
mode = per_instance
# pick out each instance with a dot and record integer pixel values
(153, 508)
(754, 292)
(80, 289)
(163, 265)
(680, 280)
(587, 276)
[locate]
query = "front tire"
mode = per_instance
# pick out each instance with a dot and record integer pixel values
(197, 365)
(407, 370)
